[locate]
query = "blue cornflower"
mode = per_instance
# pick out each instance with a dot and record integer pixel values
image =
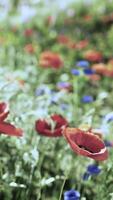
(39, 92)
(75, 72)
(55, 96)
(63, 85)
(72, 195)
(89, 71)
(43, 89)
(108, 117)
(64, 106)
(82, 63)
(54, 99)
(93, 169)
(108, 143)
(87, 99)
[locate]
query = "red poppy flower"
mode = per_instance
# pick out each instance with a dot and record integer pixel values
(29, 48)
(82, 44)
(106, 70)
(7, 128)
(28, 32)
(109, 69)
(50, 59)
(93, 56)
(3, 111)
(63, 39)
(44, 127)
(86, 143)
(79, 45)
(108, 73)
(94, 77)
(99, 68)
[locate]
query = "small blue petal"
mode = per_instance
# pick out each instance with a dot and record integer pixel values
(54, 100)
(63, 84)
(40, 92)
(109, 117)
(89, 71)
(108, 143)
(82, 63)
(71, 195)
(87, 99)
(75, 72)
(64, 106)
(93, 169)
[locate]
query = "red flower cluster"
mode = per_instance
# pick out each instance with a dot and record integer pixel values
(93, 56)
(5, 127)
(44, 127)
(69, 43)
(105, 70)
(50, 59)
(86, 143)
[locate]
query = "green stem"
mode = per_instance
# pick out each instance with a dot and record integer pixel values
(60, 197)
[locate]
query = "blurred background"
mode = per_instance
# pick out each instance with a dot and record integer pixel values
(28, 8)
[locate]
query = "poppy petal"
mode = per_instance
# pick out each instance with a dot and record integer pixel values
(4, 111)
(86, 143)
(60, 121)
(44, 128)
(50, 59)
(9, 129)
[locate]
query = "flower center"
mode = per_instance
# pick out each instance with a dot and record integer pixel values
(85, 148)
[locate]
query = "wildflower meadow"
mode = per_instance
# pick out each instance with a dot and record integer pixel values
(56, 100)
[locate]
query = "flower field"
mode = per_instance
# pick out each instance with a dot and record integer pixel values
(56, 101)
